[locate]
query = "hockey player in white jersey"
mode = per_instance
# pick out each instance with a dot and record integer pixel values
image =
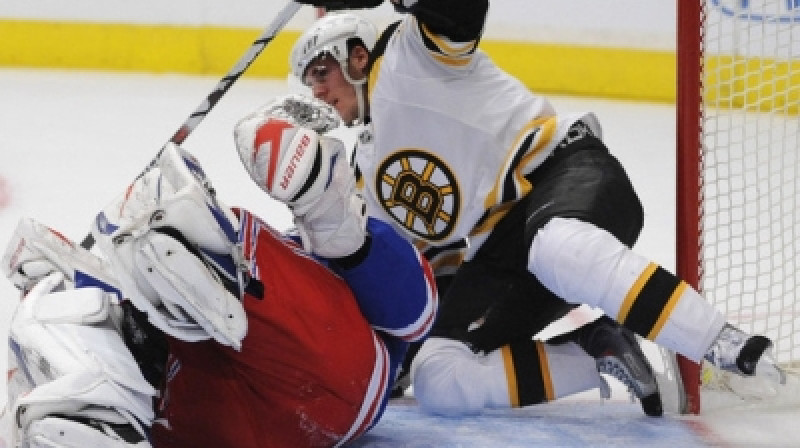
(526, 206)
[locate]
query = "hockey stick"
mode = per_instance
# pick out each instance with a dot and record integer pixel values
(224, 84)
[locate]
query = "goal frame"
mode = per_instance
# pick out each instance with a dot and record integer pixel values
(738, 90)
(689, 86)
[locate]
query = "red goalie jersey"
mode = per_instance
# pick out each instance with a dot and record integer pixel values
(320, 354)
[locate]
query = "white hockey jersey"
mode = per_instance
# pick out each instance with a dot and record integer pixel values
(453, 136)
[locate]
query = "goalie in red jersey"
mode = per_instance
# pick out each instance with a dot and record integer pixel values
(254, 338)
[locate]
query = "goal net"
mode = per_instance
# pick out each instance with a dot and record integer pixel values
(738, 193)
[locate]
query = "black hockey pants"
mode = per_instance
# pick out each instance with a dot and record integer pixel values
(580, 180)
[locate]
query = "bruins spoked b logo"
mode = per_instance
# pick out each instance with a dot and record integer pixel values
(419, 191)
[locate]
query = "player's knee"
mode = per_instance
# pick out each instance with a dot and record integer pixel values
(442, 376)
(574, 259)
(583, 263)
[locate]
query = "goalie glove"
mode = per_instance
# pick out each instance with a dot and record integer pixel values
(309, 173)
(303, 111)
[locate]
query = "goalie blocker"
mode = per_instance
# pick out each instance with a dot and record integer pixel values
(282, 148)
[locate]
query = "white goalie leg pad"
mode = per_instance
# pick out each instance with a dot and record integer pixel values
(174, 192)
(187, 287)
(56, 432)
(75, 360)
(185, 300)
(587, 265)
(193, 208)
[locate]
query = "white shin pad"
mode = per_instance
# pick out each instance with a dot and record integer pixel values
(156, 272)
(74, 364)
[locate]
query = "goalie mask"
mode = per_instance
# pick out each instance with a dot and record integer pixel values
(173, 247)
(333, 35)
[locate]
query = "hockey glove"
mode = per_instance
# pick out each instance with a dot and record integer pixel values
(302, 111)
(309, 173)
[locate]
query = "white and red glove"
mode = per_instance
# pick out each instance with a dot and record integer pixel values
(285, 155)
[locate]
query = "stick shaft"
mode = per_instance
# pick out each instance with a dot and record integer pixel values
(238, 69)
(224, 84)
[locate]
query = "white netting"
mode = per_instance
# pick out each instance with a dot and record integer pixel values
(751, 168)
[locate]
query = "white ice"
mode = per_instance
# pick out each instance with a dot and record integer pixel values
(70, 141)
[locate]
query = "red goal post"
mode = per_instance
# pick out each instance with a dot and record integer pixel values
(738, 167)
(688, 128)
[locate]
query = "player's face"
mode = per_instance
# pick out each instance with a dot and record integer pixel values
(324, 76)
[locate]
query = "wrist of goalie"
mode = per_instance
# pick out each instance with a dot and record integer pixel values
(356, 258)
(334, 226)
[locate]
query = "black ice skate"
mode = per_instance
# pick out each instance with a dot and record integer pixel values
(617, 353)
